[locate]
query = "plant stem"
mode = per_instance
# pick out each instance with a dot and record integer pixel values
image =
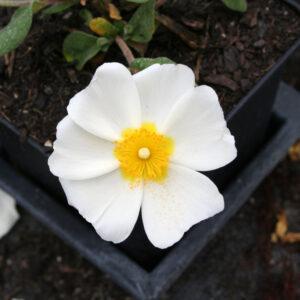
(190, 38)
(125, 49)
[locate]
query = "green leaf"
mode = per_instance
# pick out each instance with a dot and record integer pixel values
(101, 26)
(238, 5)
(142, 23)
(143, 63)
(86, 15)
(16, 30)
(14, 2)
(120, 25)
(36, 6)
(138, 1)
(56, 8)
(82, 47)
(127, 31)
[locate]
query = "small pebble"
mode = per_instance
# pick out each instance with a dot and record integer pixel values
(40, 101)
(48, 143)
(48, 90)
(67, 15)
(261, 29)
(259, 44)
(77, 291)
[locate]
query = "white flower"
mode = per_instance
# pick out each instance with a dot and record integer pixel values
(134, 142)
(8, 213)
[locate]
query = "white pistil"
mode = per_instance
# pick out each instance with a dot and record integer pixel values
(144, 153)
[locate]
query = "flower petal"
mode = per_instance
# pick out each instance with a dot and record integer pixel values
(79, 154)
(185, 198)
(109, 104)
(197, 125)
(8, 213)
(109, 202)
(160, 87)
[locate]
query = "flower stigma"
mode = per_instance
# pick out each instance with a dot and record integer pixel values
(143, 153)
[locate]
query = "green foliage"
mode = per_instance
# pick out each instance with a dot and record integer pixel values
(86, 15)
(120, 25)
(57, 8)
(36, 6)
(14, 2)
(238, 5)
(102, 26)
(82, 47)
(143, 63)
(16, 30)
(141, 26)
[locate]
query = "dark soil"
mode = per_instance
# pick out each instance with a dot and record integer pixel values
(233, 51)
(239, 263)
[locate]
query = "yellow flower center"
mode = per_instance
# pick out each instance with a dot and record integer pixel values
(144, 153)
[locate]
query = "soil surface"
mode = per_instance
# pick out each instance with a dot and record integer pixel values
(239, 263)
(230, 51)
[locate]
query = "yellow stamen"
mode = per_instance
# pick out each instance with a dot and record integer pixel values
(143, 153)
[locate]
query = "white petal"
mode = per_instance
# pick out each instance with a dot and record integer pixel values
(8, 213)
(160, 87)
(109, 202)
(197, 125)
(79, 154)
(170, 208)
(109, 104)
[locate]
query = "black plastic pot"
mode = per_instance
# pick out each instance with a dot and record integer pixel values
(248, 122)
(283, 131)
(293, 3)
